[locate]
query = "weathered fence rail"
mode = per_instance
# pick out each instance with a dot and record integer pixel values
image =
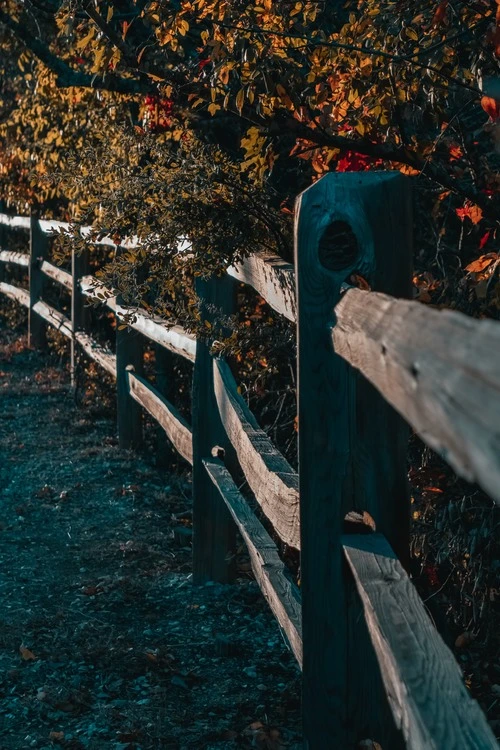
(373, 665)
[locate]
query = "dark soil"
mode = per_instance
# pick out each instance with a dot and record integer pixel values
(104, 641)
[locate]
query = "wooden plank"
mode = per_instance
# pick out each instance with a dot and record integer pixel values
(105, 358)
(15, 293)
(346, 223)
(129, 354)
(176, 428)
(269, 475)
(173, 338)
(54, 318)
(423, 681)
(165, 385)
(15, 222)
(437, 368)
(282, 596)
(56, 274)
(214, 539)
(38, 252)
(272, 277)
(19, 259)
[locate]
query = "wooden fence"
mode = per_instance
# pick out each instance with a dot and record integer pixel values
(373, 665)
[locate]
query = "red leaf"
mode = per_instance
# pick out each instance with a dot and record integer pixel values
(470, 211)
(484, 239)
(491, 107)
(440, 14)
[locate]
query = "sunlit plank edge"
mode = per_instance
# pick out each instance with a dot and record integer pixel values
(103, 357)
(20, 259)
(268, 473)
(57, 274)
(173, 338)
(423, 681)
(176, 428)
(272, 277)
(15, 293)
(15, 222)
(55, 318)
(266, 564)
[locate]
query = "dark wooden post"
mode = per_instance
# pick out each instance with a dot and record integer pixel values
(213, 527)
(164, 371)
(79, 313)
(352, 446)
(129, 355)
(38, 252)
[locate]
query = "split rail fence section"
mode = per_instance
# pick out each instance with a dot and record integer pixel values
(369, 362)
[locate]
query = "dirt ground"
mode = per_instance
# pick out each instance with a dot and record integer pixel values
(104, 642)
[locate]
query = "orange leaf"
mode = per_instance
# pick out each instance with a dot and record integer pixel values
(481, 263)
(491, 107)
(471, 211)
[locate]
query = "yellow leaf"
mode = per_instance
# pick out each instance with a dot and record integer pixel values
(411, 34)
(86, 39)
(240, 98)
(109, 14)
(212, 108)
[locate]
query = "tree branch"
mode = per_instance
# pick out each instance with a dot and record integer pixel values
(66, 75)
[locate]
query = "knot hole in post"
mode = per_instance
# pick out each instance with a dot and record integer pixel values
(338, 247)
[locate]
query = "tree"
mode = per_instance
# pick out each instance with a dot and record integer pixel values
(266, 96)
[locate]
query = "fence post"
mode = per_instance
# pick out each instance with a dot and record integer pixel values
(129, 355)
(352, 446)
(79, 313)
(37, 328)
(213, 528)
(164, 371)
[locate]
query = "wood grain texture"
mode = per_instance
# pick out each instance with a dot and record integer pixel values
(423, 681)
(173, 338)
(439, 369)
(15, 293)
(54, 318)
(176, 428)
(273, 278)
(38, 252)
(105, 358)
(20, 259)
(214, 532)
(269, 475)
(347, 456)
(281, 594)
(58, 275)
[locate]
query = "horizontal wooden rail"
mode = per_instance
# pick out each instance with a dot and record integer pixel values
(57, 274)
(177, 429)
(15, 222)
(55, 318)
(423, 681)
(273, 278)
(281, 594)
(98, 353)
(51, 226)
(174, 338)
(20, 259)
(269, 475)
(439, 369)
(15, 293)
